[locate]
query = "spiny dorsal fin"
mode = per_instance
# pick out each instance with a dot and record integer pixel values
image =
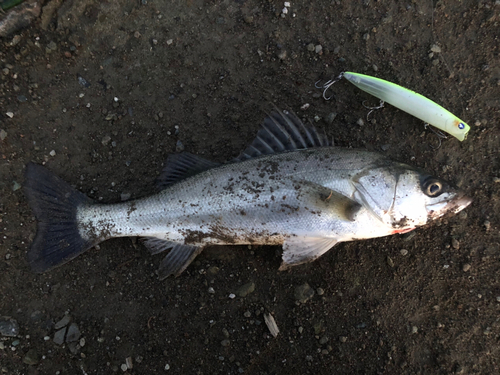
(181, 166)
(283, 131)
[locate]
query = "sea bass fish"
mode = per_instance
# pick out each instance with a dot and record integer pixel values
(291, 187)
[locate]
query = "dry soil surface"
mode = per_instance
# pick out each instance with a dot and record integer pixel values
(101, 92)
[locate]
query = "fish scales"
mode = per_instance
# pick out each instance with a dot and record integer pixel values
(238, 203)
(289, 187)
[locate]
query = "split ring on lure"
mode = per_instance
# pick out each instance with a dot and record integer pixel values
(408, 101)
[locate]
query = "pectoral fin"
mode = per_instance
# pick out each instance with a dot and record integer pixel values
(301, 249)
(318, 197)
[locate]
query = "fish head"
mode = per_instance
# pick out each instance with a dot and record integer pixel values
(404, 198)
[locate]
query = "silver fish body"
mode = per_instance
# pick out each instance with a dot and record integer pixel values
(306, 199)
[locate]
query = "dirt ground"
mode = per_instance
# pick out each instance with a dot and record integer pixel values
(102, 91)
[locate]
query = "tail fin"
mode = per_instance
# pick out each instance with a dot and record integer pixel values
(55, 204)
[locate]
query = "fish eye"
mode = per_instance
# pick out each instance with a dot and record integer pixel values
(461, 125)
(432, 187)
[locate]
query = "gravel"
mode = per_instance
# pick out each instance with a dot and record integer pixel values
(246, 289)
(303, 293)
(8, 327)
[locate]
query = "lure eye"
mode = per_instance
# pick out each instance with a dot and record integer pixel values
(461, 126)
(432, 188)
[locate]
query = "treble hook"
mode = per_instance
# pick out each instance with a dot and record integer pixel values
(380, 105)
(439, 135)
(327, 85)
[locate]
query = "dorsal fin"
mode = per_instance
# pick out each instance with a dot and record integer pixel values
(181, 166)
(283, 131)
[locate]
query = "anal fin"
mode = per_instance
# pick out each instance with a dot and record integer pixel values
(177, 260)
(302, 249)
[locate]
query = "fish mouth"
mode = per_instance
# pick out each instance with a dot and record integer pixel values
(450, 207)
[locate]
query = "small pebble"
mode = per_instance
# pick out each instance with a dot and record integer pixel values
(125, 196)
(59, 336)
(105, 140)
(52, 153)
(179, 147)
(320, 291)
(498, 299)
(247, 314)
(167, 367)
(331, 117)
(414, 329)
(124, 367)
(16, 186)
(435, 48)
(73, 333)
(404, 252)
(63, 322)
(360, 122)
(225, 342)
(282, 55)
(3, 134)
(271, 325)
(31, 358)
(246, 289)
(10, 114)
(466, 267)
(128, 362)
(305, 106)
(318, 48)
(311, 47)
(211, 290)
(232, 296)
(303, 293)
(343, 339)
(455, 243)
(487, 225)
(170, 41)
(8, 327)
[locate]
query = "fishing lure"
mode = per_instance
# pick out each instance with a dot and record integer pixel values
(408, 101)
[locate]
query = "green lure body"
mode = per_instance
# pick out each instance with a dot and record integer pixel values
(411, 102)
